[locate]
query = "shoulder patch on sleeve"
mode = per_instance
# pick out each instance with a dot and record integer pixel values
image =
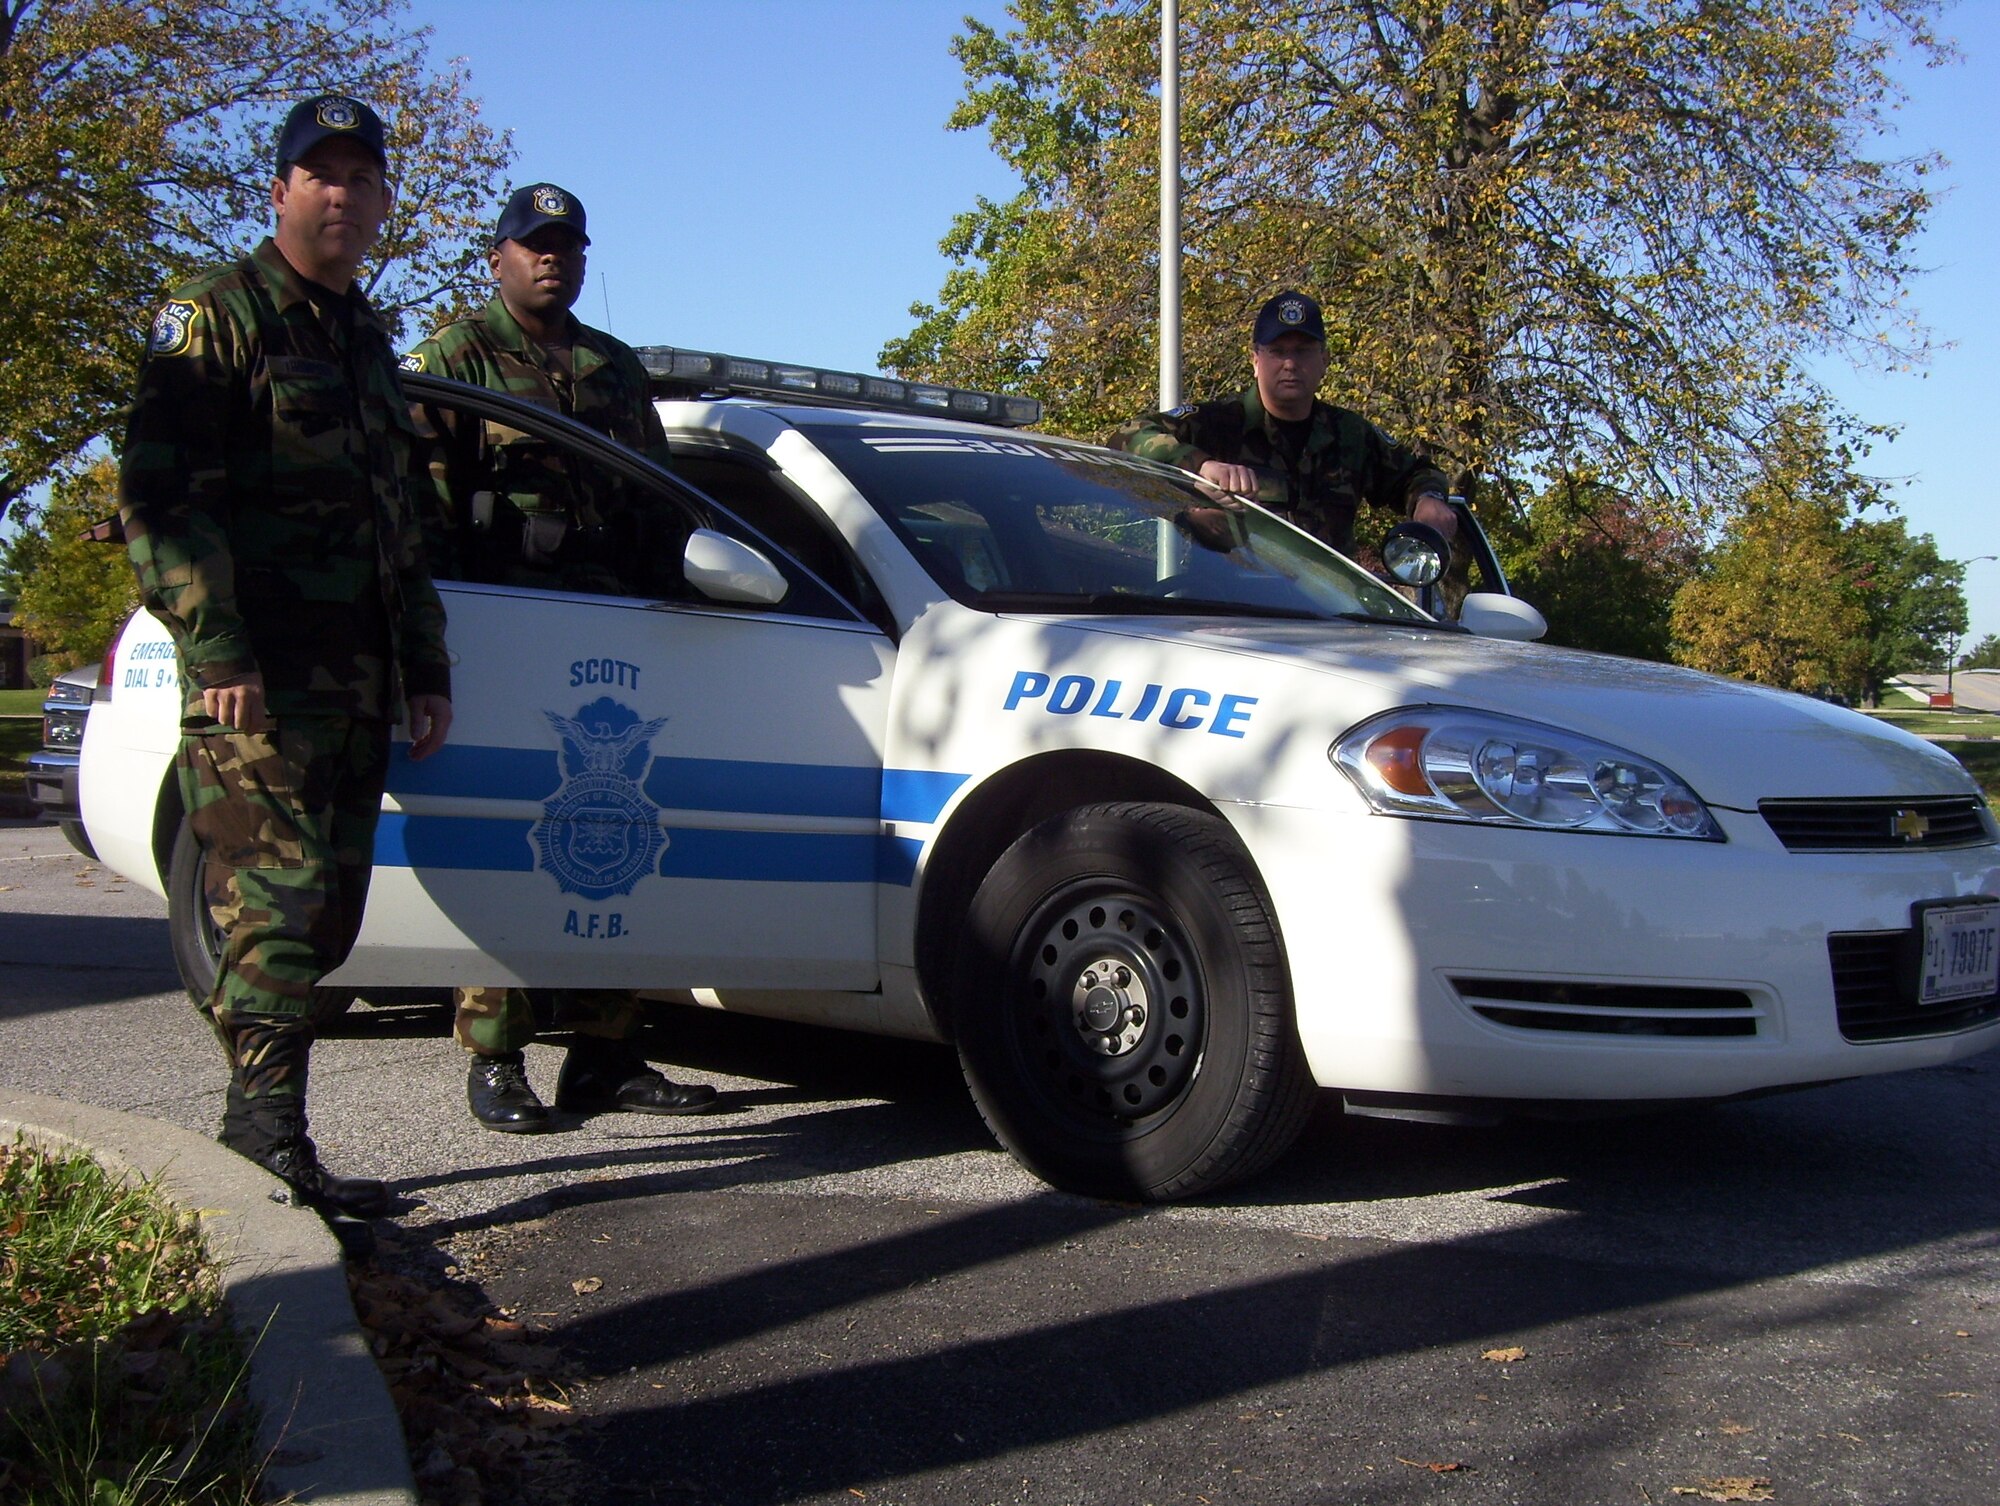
(1185, 410)
(173, 329)
(414, 361)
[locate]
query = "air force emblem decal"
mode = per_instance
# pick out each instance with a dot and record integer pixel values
(173, 329)
(599, 834)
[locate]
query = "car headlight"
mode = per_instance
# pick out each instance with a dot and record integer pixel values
(1459, 765)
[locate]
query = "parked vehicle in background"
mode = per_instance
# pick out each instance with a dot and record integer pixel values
(52, 771)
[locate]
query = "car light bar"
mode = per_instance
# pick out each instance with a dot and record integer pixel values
(699, 373)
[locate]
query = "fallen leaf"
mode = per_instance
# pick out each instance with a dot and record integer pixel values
(1505, 1356)
(587, 1285)
(1733, 1429)
(1729, 1488)
(1434, 1466)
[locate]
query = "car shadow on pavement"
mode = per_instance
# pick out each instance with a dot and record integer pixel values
(805, 1345)
(709, 1154)
(969, 1339)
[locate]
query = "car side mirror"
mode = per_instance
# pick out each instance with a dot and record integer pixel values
(1492, 615)
(726, 569)
(1415, 554)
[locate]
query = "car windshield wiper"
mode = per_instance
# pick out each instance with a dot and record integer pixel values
(1379, 620)
(1194, 606)
(1136, 605)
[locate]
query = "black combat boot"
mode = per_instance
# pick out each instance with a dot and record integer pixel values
(602, 1076)
(272, 1132)
(497, 1090)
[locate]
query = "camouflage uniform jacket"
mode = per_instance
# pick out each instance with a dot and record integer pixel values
(266, 499)
(548, 522)
(1344, 461)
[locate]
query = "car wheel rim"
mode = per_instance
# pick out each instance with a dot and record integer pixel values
(1111, 1014)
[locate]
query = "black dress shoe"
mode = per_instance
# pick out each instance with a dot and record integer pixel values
(497, 1091)
(296, 1164)
(602, 1077)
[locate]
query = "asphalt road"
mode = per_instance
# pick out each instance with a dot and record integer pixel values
(839, 1291)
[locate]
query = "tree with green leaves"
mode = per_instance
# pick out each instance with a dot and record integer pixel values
(1985, 654)
(1568, 244)
(73, 593)
(1603, 574)
(135, 147)
(1913, 598)
(1807, 589)
(1775, 601)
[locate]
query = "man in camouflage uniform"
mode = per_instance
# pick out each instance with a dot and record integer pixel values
(504, 507)
(267, 509)
(1318, 463)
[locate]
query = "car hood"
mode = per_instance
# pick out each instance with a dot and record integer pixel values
(1735, 743)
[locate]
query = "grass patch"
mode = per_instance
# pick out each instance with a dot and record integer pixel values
(1983, 759)
(22, 702)
(120, 1377)
(1945, 723)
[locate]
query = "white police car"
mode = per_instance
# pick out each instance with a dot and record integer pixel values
(1164, 815)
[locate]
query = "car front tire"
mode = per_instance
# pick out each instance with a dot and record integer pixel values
(1122, 1006)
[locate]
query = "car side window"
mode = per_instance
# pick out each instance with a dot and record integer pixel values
(540, 510)
(503, 504)
(748, 487)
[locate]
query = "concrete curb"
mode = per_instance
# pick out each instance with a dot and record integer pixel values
(328, 1425)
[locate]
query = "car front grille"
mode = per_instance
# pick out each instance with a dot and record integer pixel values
(1610, 1008)
(1871, 1005)
(1923, 823)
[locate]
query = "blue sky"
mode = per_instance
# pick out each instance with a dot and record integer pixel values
(771, 178)
(765, 177)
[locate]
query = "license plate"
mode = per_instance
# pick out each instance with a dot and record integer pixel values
(1961, 956)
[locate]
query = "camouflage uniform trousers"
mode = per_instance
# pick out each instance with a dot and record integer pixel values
(500, 1021)
(286, 820)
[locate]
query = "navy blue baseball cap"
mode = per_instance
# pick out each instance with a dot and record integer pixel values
(1289, 314)
(313, 120)
(539, 204)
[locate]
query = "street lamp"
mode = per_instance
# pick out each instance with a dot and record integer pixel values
(1951, 659)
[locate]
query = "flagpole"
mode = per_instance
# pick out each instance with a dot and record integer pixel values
(1170, 205)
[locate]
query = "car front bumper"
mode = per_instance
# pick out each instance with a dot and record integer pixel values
(52, 784)
(1453, 961)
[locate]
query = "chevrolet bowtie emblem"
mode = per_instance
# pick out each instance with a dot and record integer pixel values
(1909, 826)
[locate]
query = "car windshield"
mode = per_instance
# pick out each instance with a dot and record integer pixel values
(1036, 525)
